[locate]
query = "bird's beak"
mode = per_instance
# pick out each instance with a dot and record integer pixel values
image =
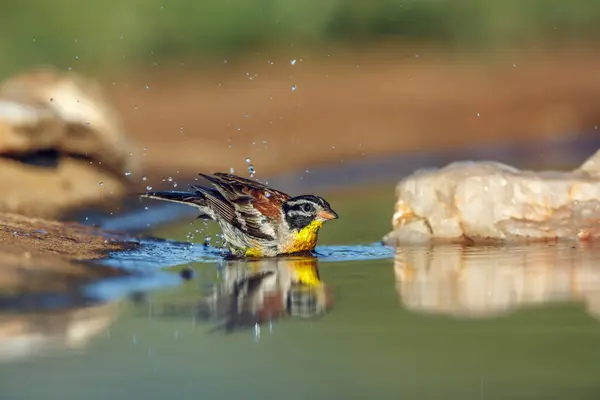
(327, 214)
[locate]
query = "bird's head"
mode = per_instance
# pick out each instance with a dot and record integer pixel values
(301, 211)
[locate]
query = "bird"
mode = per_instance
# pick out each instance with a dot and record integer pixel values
(256, 221)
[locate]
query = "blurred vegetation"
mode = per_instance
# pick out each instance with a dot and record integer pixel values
(128, 33)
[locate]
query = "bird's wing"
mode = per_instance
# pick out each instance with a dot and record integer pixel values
(252, 201)
(266, 200)
(209, 201)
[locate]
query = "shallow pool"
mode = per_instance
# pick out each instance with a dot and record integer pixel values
(423, 322)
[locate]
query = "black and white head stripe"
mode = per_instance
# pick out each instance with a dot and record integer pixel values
(301, 210)
(308, 198)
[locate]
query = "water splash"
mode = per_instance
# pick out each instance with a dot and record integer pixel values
(158, 253)
(251, 170)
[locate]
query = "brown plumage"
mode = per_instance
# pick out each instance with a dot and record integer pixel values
(256, 220)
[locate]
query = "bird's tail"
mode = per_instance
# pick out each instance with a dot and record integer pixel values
(196, 199)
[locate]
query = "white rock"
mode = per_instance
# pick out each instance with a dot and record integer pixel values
(479, 201)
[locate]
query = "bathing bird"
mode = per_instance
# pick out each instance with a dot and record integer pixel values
(256, 221)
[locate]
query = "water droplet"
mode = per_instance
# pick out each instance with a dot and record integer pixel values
(293, 62)
(248, 160)
(479, 115)
(231, 171)
(51, 99)
(148, 187)
(146, 208)
(246, 115)
(147, 87)
(101, 183)
(170, 179)
(271, 62)
(144, 178)
(293, 88)
(256, 331)
(175, 184)
(145, 149)
(267, 194)
(77, 57)
(181, 129)
(251, 171)
(239, 128)
(127, 173)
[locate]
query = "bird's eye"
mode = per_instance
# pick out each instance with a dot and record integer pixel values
(306, 207)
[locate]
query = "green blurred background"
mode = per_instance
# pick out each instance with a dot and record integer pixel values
(95, 35)
(205, 85)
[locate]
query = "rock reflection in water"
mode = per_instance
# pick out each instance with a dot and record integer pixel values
(487, 281)
(43, 305)
(259, 291)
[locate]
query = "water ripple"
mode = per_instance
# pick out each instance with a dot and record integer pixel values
(158, 253)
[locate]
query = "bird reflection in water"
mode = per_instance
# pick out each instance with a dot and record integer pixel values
(488, 281)
(258, 291)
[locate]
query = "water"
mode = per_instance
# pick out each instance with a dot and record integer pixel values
(450, 322)
(359, 320)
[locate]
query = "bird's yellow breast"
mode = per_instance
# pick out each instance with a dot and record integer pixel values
(253, 252)
(303, 240)
(306, 238)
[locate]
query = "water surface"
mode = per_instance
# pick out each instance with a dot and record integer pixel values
(426, 322)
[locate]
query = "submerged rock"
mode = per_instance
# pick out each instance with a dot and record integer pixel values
(62, 145)
(479, 201)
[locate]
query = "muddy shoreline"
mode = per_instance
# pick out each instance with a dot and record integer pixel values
(69, 240)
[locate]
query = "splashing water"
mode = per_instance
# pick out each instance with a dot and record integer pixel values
(159, 253)
(251, 169)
